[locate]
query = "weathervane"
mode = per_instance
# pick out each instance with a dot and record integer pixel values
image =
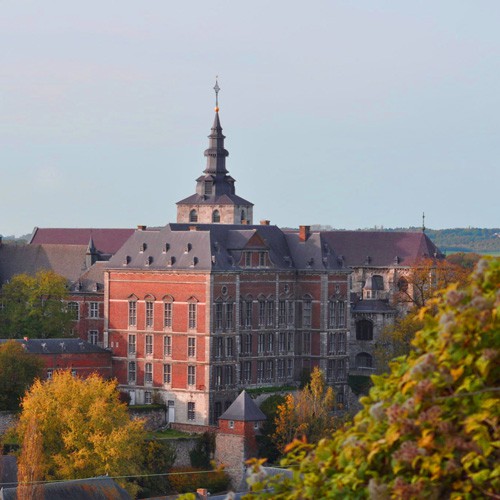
(217, 88)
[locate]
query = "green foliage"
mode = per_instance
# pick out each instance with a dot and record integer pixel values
(201, 455)
(429, 428)
(189, 479)
(360, 384)
(85, 430)
(158, 457)
(18, 370)
(33, 306)
(257, 391)
(267, 448)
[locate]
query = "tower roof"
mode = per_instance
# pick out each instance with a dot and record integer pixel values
(243, 409)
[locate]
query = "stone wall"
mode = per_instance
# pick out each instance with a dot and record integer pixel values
(182, 447)
(230, 452)
(155, 417)
(7, 419)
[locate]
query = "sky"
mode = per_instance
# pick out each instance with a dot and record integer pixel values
(352, 114)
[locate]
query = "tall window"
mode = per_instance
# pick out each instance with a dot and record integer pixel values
(132, 313)
(262, 259)
(364, 330)
(74, 310)
(248, 259)
(192, 316)
(228, 375)
(167, 374)
(306, 313)
(262, 312)
(149, 345)
(342, 339)
(306, 345)
(247, 371)
(94, 309)
(289, 346)
(218, 376)
(229, 316)
(282, 313)
(219, 347)
(148, 397)
(132, 348)
(289, 369)
(261, 343)
(340, 369)
(191, 347)
(341, 314)
(193, 216)
(229, 347)
(93, 336)
(331, 314)
(131, 372)
(149, 313)
(260, 371)
(148, 373)
(291, 313)
(248, 313)
(247, 344)
(218, 316)
(282, 342)
(330, 369)
(191, 375)
(216, 216)
(270, 369)
(167, 314)
(281, 368)
(270, 313)
(191, 411)
(167, 345)
(270, 342)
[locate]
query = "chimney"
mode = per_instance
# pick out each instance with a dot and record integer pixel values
(304, 232)
(193, 228)
(140, 227)
(265, 222)
(202, 493)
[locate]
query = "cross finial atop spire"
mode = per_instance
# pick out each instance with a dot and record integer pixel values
(423, 222)
(216, 88)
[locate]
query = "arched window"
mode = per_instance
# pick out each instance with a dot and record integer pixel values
(402, 284)
(364, 330)
(378, 282)
(364, 360)
(193, 216)
(215, 216)
(243, 216)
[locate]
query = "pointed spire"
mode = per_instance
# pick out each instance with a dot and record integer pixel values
(423, 222)
(90, 254)
(91, 247)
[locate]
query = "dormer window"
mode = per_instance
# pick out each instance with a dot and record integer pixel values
(127, 260)
(208, 188)
(149, 261)
(248, 259)
(216, 216)
(193, 216)
(188, 248)
(143, 247)
(262, 259)
(166, 248)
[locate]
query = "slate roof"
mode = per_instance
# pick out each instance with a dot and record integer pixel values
(8, 471)
(106, 241)
(58, 346)
(243, 409)
(65, 260)
(371, 305)
(92, 280)
(101, 488)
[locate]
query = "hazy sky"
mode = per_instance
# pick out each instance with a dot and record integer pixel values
(349, 113)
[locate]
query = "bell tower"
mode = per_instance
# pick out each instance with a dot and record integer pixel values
(215, 200)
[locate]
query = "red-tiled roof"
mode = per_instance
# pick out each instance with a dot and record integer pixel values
(106, 241)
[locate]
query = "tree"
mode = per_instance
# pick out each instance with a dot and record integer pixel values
(33, 306)
(431, 427)
(158, 457)
(307, 414)
(267, 448)
(85, 429)
(18, 370)
(29, 471)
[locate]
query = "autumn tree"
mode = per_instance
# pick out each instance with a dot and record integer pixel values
(33, 306)
(428, 429)
(29, 464)
(306, 414)
(18, 370)
(85, 430)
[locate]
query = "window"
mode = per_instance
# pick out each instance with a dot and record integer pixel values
(339, 398)
(131, 372)
(402, 285)
(192, 316)
(148, 397)
(364, 330)
(247, 346)
(216, 216)
(377, 282)
(270, 313)
(261, 346)
(306, 313)
(148, 345)
(218, 376)
(342, 340)
(270, 370)
(167, 315)
(167, 374)
(247, 371)
(291, 313)
(74, 310)
(281, 342)
(341, 314)
(149, 313)
(191, 411)
(262, 259)
(218, 316)
(260, 371)
(229, 347)
(167, 345)
(132, 348)
(331, 343)
(231, 424)
(191, 347)
(340, 372)
(281, 368)
(364, 360)
(219, 347)
(282, 313)
(228, 375)
(148, 373)
(208, 191)
(248, 259)
(191, 375)
(73, 372)
(217, 410)
(306, 342)
(330, 369)
(289, 346)
(248, 313)
(94, 309)
(193, 216)
(270, 342)
(331, 314)
(289, 370)
(93, 336)
(243, 216)
(229, 316)
(50, 371)
(262, 313)
(132, 313)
